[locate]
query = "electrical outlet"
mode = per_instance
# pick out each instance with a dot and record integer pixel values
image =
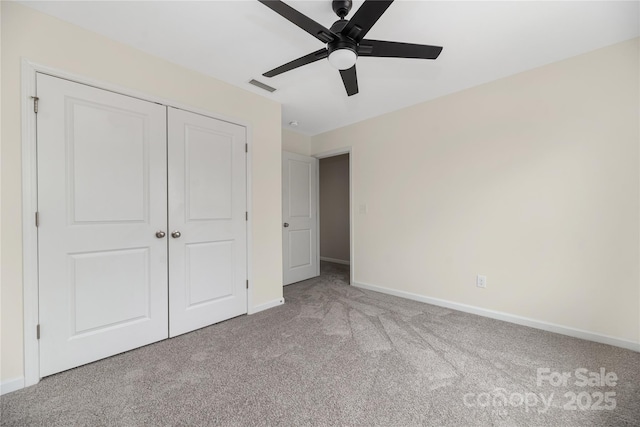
(481, 281)
(363, 209)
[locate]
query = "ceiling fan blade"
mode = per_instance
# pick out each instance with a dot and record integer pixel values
(307, 59)
(350, 80)
(380, 49)
(323, 34)
(367, 15)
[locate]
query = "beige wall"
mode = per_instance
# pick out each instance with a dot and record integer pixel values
(334, 207)
(295, 142)
(531, 180)
(48, 41)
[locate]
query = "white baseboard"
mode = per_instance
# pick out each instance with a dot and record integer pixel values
(512, 318)
(266, 306)
(11, 385)
(337, 261)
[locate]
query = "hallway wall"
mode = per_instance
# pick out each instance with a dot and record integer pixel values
(334, 208)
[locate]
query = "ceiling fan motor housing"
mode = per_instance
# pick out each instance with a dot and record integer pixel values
(341, 7)
(341, 42)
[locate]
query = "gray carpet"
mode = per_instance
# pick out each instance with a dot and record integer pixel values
(337, 355)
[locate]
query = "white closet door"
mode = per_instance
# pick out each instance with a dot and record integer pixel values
(102, 197)
(207, 225)
(300, 256)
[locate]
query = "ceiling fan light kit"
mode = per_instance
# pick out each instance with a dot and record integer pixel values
(345, 40)
(342, 58)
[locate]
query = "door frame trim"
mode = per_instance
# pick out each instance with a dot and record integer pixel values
(29, 231)
(332, 153)
(30, 303)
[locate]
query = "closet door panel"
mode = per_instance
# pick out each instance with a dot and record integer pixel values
(102, 196)
(207, 205)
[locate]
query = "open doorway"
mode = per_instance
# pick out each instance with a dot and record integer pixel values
(334, 211)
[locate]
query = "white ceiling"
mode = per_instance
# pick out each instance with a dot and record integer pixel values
(236, 41)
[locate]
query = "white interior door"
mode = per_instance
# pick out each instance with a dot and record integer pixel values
(300, 217)
(102, 197)
(207, 208)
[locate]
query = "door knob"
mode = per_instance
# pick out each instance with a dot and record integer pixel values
(286, 224)
(176, 234)
(160, 234)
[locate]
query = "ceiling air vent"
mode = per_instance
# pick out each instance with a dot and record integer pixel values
(262, 85)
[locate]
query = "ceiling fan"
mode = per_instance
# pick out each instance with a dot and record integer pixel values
(345, 39)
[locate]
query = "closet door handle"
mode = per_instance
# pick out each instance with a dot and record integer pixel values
(286, 224)
(176, 234)
(160, 234)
